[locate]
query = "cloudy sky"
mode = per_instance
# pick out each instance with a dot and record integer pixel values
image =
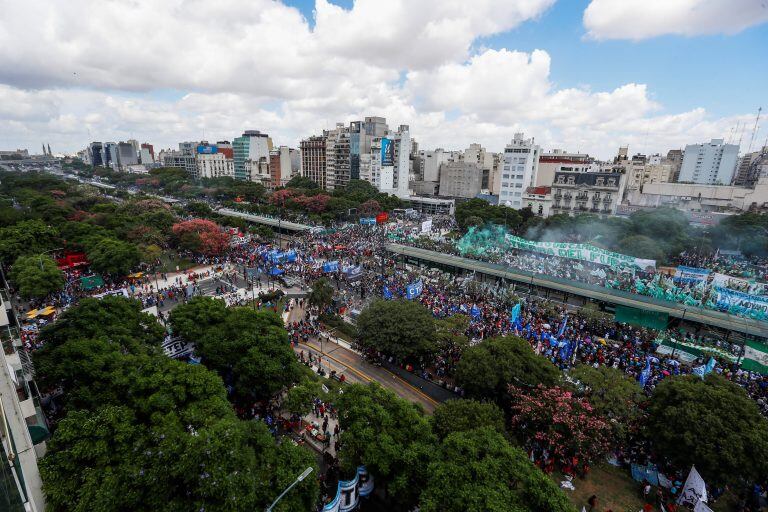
(583, 75)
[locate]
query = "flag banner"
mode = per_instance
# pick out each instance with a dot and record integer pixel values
(413, 290)
(738, 284)
(582, 252)
(646, 373)
(348, 492)
(694, 490)
(368, 221)
(755, 357)
(514, 313)
(426, 226)
(386, 292)
(701, 507)
(330, 266)
(691, 274)
(741, 304)
(354, 273)
(475, 311)
(176, 348)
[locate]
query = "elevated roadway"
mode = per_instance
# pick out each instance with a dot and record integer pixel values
(268, 221)
(610, 296)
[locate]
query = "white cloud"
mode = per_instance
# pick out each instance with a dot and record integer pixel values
(642, 19)
(85, 70)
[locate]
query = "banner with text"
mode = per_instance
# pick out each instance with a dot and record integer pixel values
(691, 274)
(742, 304)
(348, 492)
(582, 252)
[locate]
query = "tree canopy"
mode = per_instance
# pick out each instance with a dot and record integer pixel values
(486, 369)
(391, 436)
(36, 276)
(479, 471)
(710, 423)
(463, 415)
(248, 348)
(401, 328)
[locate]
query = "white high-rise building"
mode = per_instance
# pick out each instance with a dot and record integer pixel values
(519, 167)
(713, 163)
(214, 165)
(401, 167)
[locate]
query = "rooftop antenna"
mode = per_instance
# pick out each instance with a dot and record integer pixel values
(754, 130)
(741, 135)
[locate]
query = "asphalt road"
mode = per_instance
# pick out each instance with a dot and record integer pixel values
(356, 370)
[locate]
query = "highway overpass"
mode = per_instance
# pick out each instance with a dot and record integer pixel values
(615, 297)
(268, 221)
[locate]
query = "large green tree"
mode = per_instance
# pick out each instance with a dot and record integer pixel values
(248, 348)
(321, 294)
(486, 369)
(711, 424)
(29, 237)
(479, 471)
(391, 436)
(113, 256)
(36, 276)
(401, 328)
(463, 415)
(612, 393)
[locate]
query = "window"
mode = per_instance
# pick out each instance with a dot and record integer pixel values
(600, 181)
(505, 176)
(561, 179)
(571, 180)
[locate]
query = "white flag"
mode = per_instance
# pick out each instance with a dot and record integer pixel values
(701, 507)
(694, 490)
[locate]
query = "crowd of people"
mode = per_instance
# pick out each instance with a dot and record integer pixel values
(656, 284)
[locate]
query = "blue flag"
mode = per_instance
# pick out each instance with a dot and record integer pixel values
(563, 326)
(387, 294)
(514, 313)
(413, 290)
(475, 311)
(646, 373)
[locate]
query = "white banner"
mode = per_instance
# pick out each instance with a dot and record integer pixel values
(694, 490)
(426, 226)
(583, 252)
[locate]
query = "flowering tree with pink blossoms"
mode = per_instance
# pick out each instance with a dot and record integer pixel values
(554, 421)
(202, 236)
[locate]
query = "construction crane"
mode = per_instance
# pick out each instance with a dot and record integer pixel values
(754, 130)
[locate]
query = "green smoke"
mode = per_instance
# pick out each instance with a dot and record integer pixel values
(482, 241)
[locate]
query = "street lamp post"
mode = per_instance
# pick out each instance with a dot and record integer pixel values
(301, 477)
(40, 256)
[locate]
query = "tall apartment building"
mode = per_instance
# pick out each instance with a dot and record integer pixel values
(712, 163)
(519, 169)
(127, 154)
(337, 157)
(401, 163)
(150, 149)
(251, 146)
(581, 192)
(313, 159)
(460, 179)
(635, 171)
(96, 154)
(361, 135)
(560, 160)
(476, 154)
(111, 158)
(675, 159)
(210, 163)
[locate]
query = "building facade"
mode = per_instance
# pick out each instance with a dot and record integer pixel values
(713, 163)
(560, 160)
(519, 168)
(214, 165)
(313, 159)
(460, 179)
(252, 146)
(587, 192)
(337, 158)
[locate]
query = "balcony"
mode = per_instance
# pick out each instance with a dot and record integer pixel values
(582, 197)
(567, 197)
(558, 195)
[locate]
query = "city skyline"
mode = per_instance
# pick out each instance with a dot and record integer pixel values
(580, 76)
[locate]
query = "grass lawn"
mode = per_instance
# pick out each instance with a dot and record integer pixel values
(614, 488)
(170, 260)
